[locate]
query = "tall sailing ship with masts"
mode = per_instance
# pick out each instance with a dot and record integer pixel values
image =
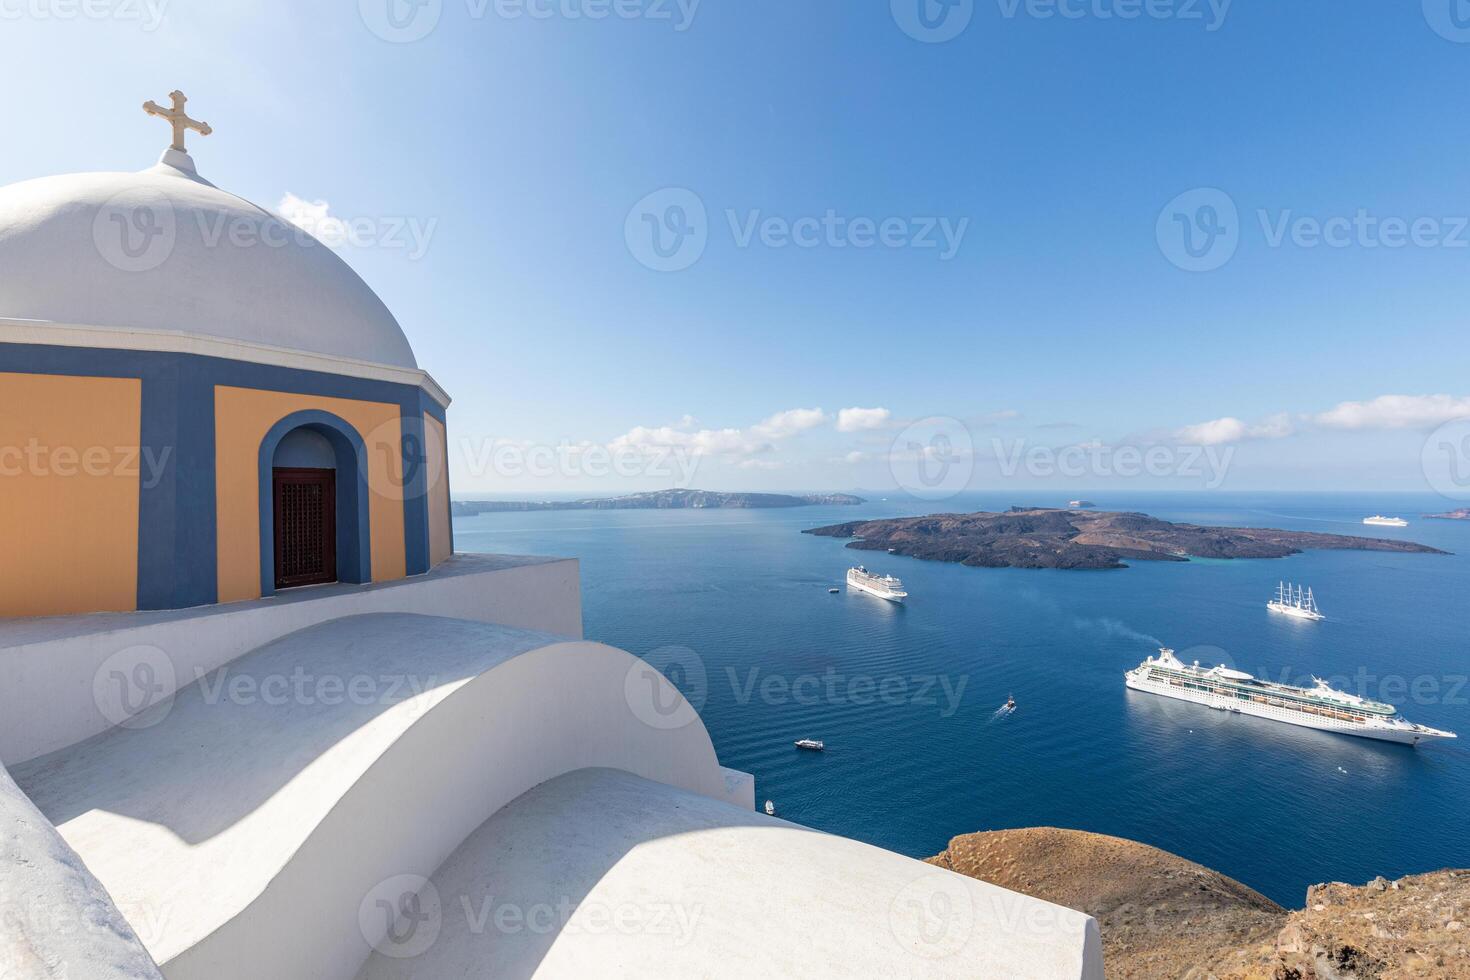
(1295, 601)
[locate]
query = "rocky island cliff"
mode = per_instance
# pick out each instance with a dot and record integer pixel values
(1164, 917)
(1073, 539)
(660, 500)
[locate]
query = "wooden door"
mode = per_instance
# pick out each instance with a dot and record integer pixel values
(305, 505)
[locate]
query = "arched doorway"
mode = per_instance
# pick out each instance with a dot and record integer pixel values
(304, 501)
(313, 503)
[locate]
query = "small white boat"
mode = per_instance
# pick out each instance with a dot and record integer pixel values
(813, 744)
(1295, 601)
(833, 591)
(1010, 702)
(1378, 520)
(770, 808)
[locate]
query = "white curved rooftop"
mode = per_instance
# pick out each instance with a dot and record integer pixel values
(164, 250)
(239, 825)
(600, 873)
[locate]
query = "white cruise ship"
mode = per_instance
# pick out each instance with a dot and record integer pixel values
(882, 586)
(1321, 707)
(1292, 600)
(1378, 520)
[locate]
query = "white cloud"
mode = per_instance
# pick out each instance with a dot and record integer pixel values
(1395, 412)
(855, 456)
(857, 419)
(731, 443)
(759, 464)
(699, 442)
(790, 422)
(1214, 432)
(1217, 432)
(313, 217)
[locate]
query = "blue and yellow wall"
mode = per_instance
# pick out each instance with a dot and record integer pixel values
(133, 479)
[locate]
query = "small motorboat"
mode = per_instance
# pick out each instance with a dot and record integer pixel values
(815, 745)
(833, 591)
(1011, 702)
(770, 808)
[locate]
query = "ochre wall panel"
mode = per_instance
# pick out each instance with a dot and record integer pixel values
(436, 451)
(242, 417)
(70, 471)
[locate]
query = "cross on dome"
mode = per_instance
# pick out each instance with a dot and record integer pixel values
(178, 118)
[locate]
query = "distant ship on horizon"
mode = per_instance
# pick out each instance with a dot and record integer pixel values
(1378, 520)
(1321, 706)
(882, 586)
(1294, 601)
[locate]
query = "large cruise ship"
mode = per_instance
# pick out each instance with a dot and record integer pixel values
(1378, 520)
(882, 586)
(1321, 706)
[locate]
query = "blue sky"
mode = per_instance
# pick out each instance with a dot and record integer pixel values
(1053, 141)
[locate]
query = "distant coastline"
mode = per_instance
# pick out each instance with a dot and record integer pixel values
(1461, 514)
(1071, 539)
(660, 500)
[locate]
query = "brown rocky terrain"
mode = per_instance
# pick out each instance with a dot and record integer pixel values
(1164, 917)
(1048, 538)
(1458, 514)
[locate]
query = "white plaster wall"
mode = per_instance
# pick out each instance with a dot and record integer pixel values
(48, 667)
(552, 711)
(601, 873)
(57, 922)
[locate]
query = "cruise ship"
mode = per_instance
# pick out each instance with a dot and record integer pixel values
(882, 586)
(1321, 706)
(1378, 520)
(1292, 600)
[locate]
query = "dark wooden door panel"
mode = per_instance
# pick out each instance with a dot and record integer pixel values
(305, 508)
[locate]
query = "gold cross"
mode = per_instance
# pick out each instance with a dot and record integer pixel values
(178, 118)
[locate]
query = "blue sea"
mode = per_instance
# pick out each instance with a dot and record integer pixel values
(906, 697)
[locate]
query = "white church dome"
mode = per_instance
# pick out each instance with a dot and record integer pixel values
(164, 250)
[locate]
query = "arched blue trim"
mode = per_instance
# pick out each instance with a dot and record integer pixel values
(354, 540)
